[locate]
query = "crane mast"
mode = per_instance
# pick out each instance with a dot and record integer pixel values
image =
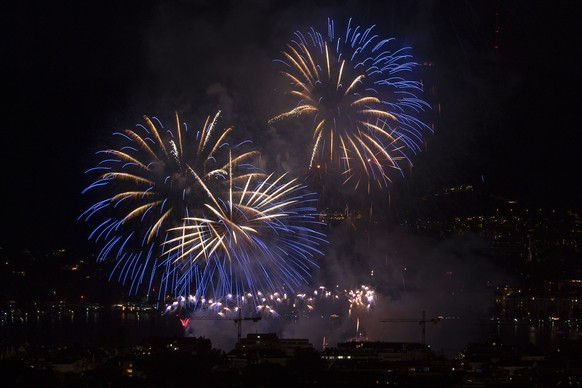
(237, 321)
(422, 322)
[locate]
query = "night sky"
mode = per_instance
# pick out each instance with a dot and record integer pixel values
(508, 80)
(74, 73)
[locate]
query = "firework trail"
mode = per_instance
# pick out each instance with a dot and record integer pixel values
(262, 235)
(336, 302)
(364, 109)
(152, 182)
(331, 313)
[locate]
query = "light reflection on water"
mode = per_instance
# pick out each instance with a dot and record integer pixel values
(547, 336)
(91, 327)
(118, 328)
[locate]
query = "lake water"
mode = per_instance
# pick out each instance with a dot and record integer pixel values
(116, 328)
(98, 328)
(545, 335)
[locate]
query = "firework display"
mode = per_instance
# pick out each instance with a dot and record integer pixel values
(365, 111)
(150, 183)
(188, 217)
(334, 301)
(258, 236)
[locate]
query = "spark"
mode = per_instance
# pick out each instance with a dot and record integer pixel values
(365, 125)
(151, 182)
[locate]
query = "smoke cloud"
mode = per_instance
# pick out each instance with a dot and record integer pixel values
(206, 59)
(452, 281)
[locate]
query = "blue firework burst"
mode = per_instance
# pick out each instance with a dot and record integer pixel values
(366, 110)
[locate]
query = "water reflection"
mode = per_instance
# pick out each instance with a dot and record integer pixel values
(128, 327)
(546, 336)
(96, 327)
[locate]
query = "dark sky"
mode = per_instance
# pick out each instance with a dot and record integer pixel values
(76, 72)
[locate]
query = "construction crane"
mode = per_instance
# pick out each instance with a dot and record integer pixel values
(422, 322)
(237, 321)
